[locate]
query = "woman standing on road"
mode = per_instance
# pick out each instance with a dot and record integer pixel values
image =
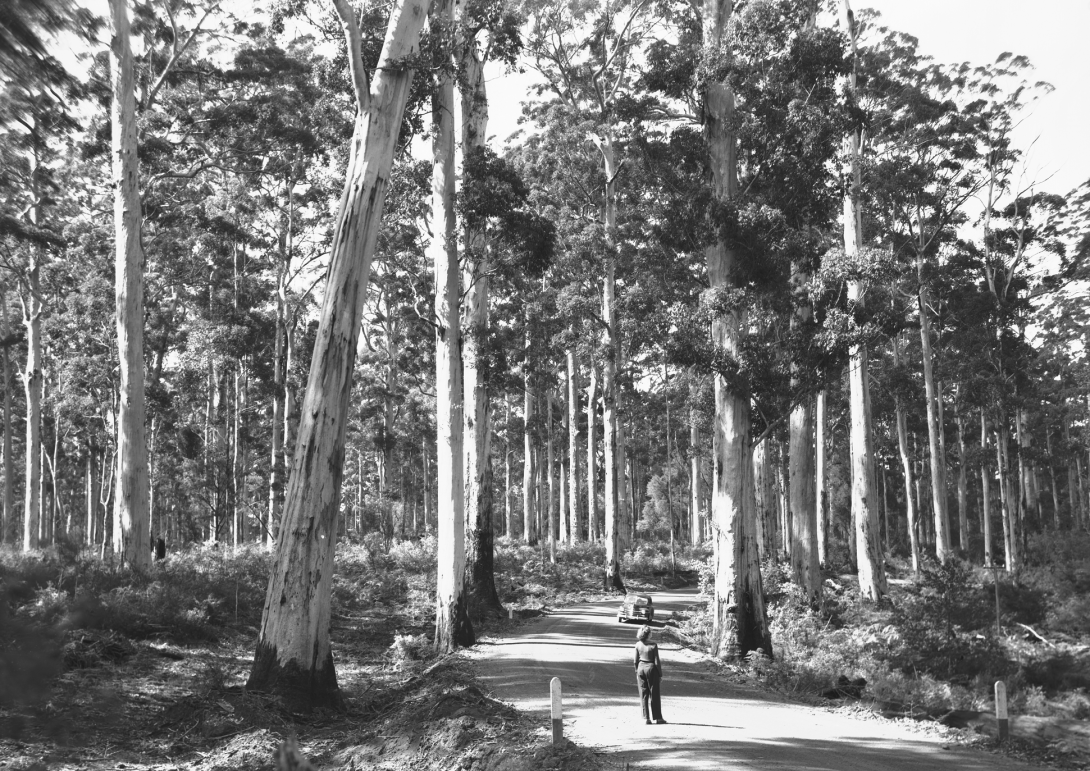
(648, 675)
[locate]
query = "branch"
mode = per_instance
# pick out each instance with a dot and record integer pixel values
(352, 36)
(176, 55)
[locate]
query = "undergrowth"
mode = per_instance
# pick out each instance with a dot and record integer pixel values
(932, 646)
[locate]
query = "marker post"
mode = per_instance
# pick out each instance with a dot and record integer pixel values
(558, 711)
(1001, 710)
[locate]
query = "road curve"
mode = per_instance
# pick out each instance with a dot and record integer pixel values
(713, 724)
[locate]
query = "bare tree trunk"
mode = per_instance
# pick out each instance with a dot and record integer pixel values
(452, 624)
(934, 426)
(529, 521)
(1052, 477)
(550, 473)
(872, 579)
(293, 656)
(696, 529)
(740, 623)
(804, 536)
(613, 472)
(7, 524)
(1026, 471)
(821, 482)
(985, 493)
(765, 499)
(279, 401)
(906, 465)
(1010, 542)
(592, 466)
(132, 515)
(573, 447)
(32, 383)
(508, 493)
(963, 484)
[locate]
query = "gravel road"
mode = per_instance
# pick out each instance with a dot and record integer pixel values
(713, 724)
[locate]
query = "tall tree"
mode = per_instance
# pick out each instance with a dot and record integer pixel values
(872, 580)
(293, 656)
(132, 505)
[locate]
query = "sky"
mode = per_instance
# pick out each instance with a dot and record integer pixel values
(1052, 33)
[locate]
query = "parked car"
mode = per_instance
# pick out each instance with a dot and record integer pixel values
(636, 607)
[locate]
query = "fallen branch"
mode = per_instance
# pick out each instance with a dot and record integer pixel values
(1035, 634)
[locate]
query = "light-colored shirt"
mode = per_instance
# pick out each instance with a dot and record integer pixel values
(646, 653)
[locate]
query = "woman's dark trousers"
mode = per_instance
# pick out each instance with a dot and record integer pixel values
(648, 678)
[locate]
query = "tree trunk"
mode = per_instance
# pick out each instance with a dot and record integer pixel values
(279, 396)
(804, 536)
(592, 459)
(985, 494)
(934, 426)
(765, 499)
(696, 525)
(293, 655)
(452, 624)
(1052, 477)
(509, 506)
(529, 521)
(821, 491)
(32, 382)
(963, 486)
(872, 579)
(906, 465)
(7, 524)
(1010, 542)
(573, 447)
(613, 472)
(740, 624)
(132, 515)
(550, 472)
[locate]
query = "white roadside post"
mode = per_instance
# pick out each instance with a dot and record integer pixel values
(558, 711)
(1001, 710)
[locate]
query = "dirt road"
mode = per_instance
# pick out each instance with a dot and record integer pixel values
(712, 724)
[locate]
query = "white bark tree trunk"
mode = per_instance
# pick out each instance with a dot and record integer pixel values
(592, 465)
(529, 520)
(821, 491)
(963, 485)
(696, 529)
(7, 524)
(613, 472)
(132, 515)
(872, 578)
(804, 535)
(452, 625)
(573, 447)
(985, 493)
(293, 656)
(740, 623)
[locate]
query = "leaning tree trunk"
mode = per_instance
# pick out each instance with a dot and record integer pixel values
(452, 624)
(573, 447)
(872, 578)
(740, 623)
(293, 656)
(132, 515)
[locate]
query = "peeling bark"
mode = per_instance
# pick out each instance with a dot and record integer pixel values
(294, 658)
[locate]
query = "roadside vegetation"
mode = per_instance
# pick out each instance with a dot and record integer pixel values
(154, 666)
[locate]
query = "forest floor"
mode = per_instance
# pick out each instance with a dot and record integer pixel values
(97, 672)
